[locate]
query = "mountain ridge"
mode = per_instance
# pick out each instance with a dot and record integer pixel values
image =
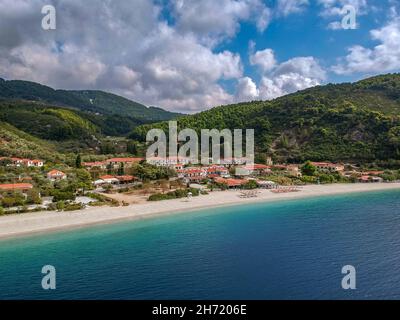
(337, 122)
(96, 101)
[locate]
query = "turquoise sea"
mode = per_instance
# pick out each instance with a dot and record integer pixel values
(282, 250)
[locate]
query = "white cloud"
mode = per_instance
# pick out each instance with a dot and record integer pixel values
(116, 46)
(246, 90)
(383, 57)
(334, 7)
(213, 21)
(305, 66)
(279, 79)
(131, 49)
(286, 7)
(264, 59)
(339, 9)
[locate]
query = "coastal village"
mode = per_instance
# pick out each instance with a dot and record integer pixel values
(33, 185)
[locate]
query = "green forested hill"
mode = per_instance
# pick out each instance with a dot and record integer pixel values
(87, 100)
(14, 142)
(108, 103)
(357, 121)
(47, 122)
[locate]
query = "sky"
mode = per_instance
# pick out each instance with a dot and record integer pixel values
(191, 55)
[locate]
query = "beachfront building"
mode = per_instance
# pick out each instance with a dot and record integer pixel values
(294, 170)
(370, 179)
(254, 169)
(110, 179)
(201, 173)
(328, 167)
(55, 175)
(12, 187)
(194, 174)
(372, 173)
(231, 183)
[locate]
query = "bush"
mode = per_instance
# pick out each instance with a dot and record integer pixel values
(326, 178)
(60, 205)
(97, 204)
(73, 207)
(59, 195)
(309, 179)
(252, 184)
(102, 199)
(177, 194)
(2, 211)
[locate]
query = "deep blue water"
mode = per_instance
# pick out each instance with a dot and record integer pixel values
(283, 250)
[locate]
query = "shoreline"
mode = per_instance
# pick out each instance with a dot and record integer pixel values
(21, 225)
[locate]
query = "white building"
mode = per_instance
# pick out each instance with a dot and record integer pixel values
(168, 161)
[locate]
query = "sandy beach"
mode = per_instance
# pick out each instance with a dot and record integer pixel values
(50, 221)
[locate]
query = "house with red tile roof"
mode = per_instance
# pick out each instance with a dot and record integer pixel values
(54, 175)
(18, 162)
(255, 168)
(231, 183)
(328, 166)
(23, 187)
(126, 178)
(367, 178)
(95, 164)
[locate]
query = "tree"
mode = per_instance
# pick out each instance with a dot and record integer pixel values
(60, 205)
(78, 161)
(59, 195)
(121, 169)
(308, 169)
(107, 188)
(84, 179)
(33, 197)
(109, 168)
(252, 184)
(131, 147)
(8, 202)
(5, 162)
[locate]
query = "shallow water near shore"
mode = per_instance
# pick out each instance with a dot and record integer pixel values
(278, 250)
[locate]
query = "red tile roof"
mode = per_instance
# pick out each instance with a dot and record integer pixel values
(125, 160)
(231, 182)
(107, 177)
(16, 186)
(125, 178)
(373, 173)
(256, 167)
(56, 173)
(93, 164)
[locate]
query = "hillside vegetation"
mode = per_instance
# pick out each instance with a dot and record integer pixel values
(113, 114)
(14, 142)
(46, 122)
(345, 122)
